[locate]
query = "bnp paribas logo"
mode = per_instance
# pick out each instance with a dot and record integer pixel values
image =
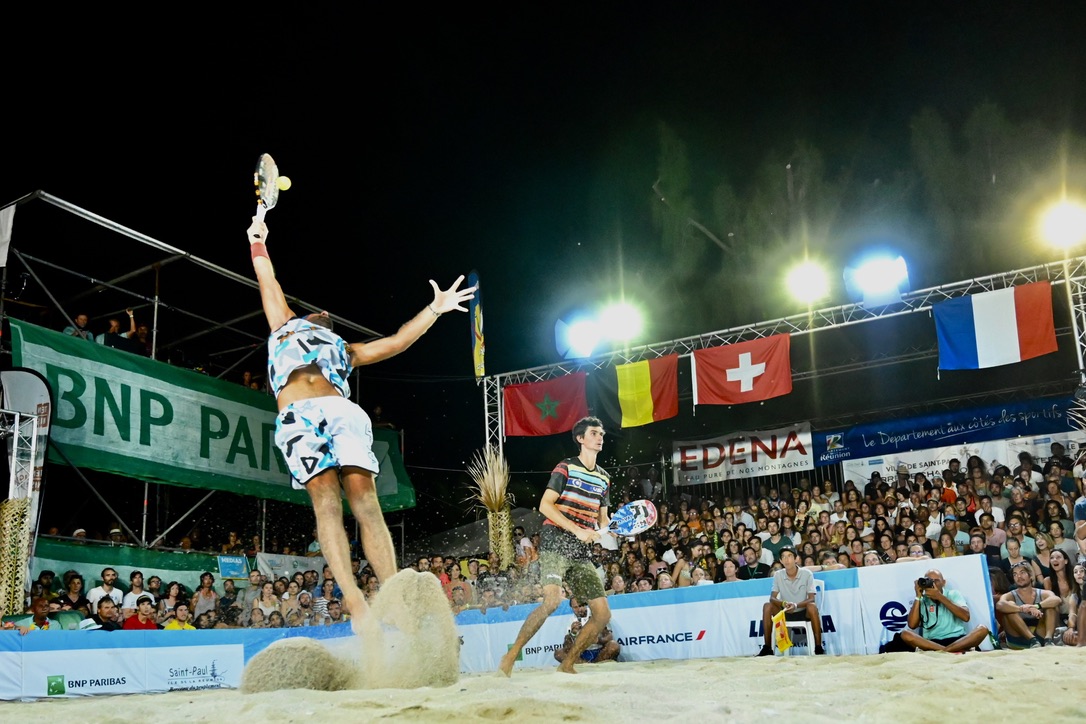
(55, 686)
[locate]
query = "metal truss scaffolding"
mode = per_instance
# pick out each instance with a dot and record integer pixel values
(1070, 273)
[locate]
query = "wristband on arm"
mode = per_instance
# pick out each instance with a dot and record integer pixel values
(256, 249)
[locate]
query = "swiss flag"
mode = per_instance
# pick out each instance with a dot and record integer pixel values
(743, 372)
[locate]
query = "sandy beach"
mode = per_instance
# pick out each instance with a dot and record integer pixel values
(917, 687)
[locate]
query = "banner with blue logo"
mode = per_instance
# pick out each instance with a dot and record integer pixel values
(944, 429)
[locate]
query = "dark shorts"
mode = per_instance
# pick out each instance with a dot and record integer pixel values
(943, 642)
(581, 577)
(591, 655)
(797, 615)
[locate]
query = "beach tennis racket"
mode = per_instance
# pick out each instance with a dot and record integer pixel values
(266, 181)
(633, 518)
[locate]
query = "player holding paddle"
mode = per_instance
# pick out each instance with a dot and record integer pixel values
(326, 438)
(575, 504)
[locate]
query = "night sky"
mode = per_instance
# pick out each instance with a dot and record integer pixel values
(521, 142)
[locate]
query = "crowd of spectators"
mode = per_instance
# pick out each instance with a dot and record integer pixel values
(1020, 520)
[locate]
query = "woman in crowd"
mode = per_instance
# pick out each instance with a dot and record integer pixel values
(73, 599)
(803, 515)
(1053, 513)
(457, 582)
(267, 601)
(729, 571)
(700, 577)
(290, 599)
(655, 563)
(276, 620)
(947, 548)
(256, 619)
(872, 558)
(735, 553)
(851, 535)
(837, 535)
(205, 598)
(1043, 543)
(1014, 557)
(885, 548)
(664, 581)
(856, 553)
(1075, 634)
(175, 593)
(1062, 583)
(327, 592)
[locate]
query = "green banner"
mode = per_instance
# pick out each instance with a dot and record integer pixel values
(125, 414)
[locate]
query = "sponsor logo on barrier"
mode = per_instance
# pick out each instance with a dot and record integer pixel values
(532, 650)
(54, 686)
(520, 656)
(59, 685)
(667, 638)
(196, 677)
(756, 631)
(894, 616)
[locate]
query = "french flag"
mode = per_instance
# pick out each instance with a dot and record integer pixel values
(995, 328)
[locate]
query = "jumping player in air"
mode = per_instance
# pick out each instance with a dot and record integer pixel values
(575, 504)
(325, 438)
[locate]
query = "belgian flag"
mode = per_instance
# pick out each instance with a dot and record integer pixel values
(639, 393)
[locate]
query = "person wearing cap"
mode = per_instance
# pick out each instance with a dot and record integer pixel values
(181, 620)
(144, 619)
(116, 535)
(794, 593)
(135, 582)
(959, 536)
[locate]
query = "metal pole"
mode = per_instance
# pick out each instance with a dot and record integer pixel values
(263, 527)
(187, 514)
(146, 492)
(1074, 318)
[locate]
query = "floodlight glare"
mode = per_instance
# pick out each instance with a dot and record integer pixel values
(1064, 224)
(808, 282)
(878, 281)
(584, 335)
(621, 322)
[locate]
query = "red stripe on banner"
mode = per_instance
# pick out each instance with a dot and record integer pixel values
(1033, 315)
(664, 372)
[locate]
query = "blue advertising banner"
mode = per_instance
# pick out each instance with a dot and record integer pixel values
(953, 427)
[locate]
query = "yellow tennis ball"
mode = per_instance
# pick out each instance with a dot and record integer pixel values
(283, 183)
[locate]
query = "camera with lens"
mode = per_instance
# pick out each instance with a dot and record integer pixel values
(925, 582)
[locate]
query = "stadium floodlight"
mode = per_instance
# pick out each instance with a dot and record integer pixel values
(1063, 225)
(807, 282)
(878, 280)
(621, 322)
(577, 338)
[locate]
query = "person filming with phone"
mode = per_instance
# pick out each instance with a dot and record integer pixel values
(940, 614)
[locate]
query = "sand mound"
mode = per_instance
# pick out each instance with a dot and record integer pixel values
(409, 640)
(297, 663)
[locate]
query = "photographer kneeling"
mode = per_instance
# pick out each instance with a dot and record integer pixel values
(940, 614)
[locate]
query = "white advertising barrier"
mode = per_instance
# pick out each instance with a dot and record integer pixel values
(274, 565)
(681, 623)
(931, 461)
(887, 593)
(81, 663)
(856, 607)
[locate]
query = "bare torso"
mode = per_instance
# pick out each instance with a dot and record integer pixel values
(305, 383)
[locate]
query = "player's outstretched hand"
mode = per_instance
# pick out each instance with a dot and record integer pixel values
(452, 298)
(258, 232)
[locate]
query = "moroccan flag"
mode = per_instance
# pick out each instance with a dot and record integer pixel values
(544, 408)
(743, 372)
(639, 393)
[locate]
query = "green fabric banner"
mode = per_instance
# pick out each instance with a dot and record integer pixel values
(125, 414)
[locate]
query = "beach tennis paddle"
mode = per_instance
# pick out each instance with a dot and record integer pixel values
(266, 181)
(633, 518)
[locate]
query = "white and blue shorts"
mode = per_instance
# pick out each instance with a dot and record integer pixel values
(322, 433)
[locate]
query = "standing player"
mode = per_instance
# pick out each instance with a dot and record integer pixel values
(575, 504)
(324, 437)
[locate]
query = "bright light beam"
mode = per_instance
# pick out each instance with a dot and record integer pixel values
(584, 335)
(1064, 225)
(808, 282)
(621, 321)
